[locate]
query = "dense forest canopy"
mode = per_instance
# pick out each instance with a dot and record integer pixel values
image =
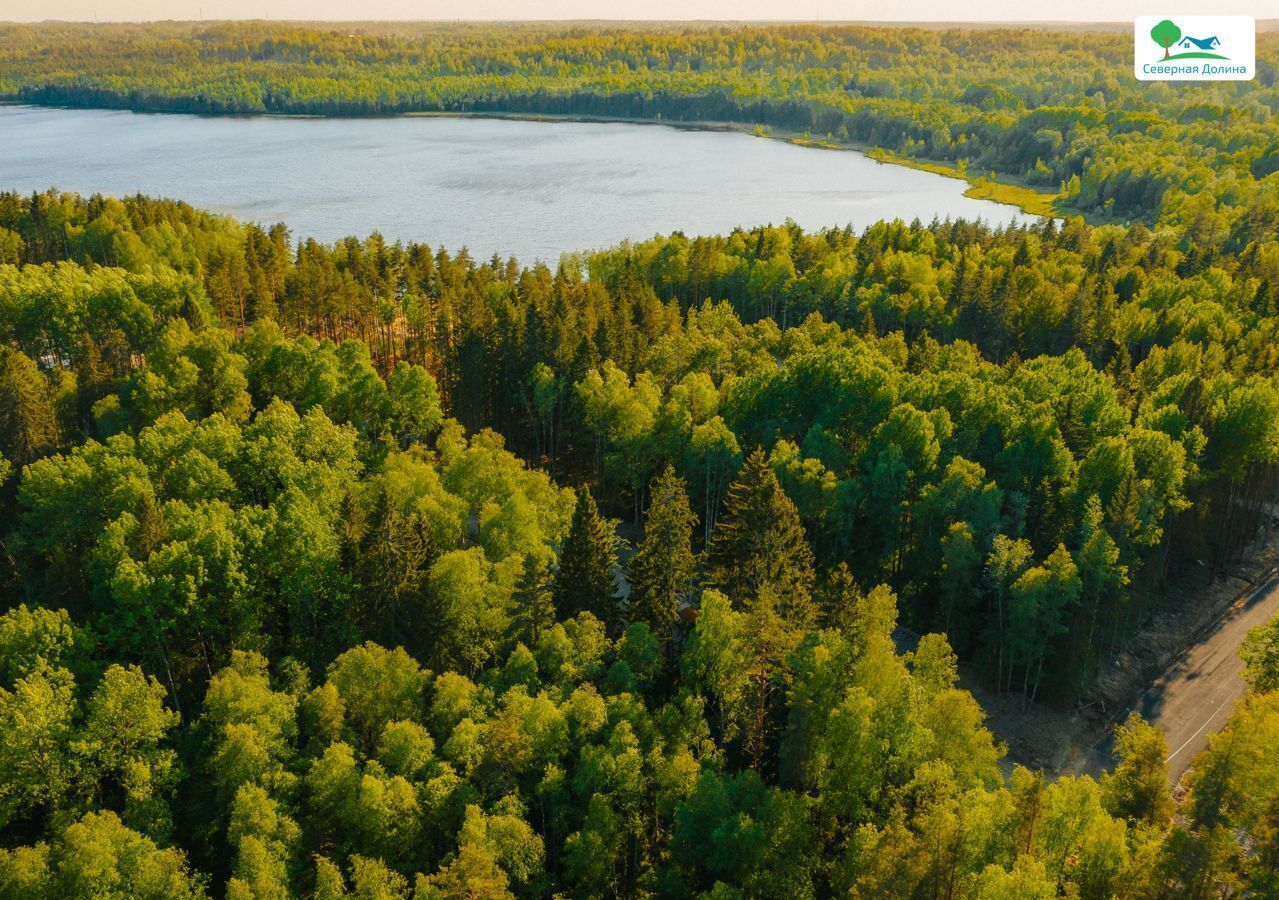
(374, 570)
(300, 602)
(1058, 110)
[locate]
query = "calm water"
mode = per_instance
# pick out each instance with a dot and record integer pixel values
(528, 189)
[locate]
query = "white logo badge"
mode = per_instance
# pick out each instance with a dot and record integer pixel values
(1194, 48)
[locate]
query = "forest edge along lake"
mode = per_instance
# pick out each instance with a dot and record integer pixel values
(512, 186)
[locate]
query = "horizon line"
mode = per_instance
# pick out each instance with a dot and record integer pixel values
(580, 21)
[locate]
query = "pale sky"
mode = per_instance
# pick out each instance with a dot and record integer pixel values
(857, 10)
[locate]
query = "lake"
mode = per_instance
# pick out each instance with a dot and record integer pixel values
(522, 188)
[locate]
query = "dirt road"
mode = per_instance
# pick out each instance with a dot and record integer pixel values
(1194, 698)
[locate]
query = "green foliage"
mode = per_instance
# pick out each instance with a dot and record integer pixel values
(661, 572)
(1165, 34)
(585, 581)
(31, 639)
(759, 544)
(98, 856)
(232, 547)
(1137, 789)
(35, 735)
(28, 419)
(1260, 652)
(533, 600)
(377, 686)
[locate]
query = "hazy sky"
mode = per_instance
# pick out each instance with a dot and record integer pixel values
(926, 10)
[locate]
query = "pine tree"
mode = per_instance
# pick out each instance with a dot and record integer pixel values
(662, 571)
(584, 582)
(151, 528)
(759, 542)
(1123, 514)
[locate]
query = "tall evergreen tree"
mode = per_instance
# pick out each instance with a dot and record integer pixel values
(394, 560)
(584, 582)
(759, 542)
(662, 571)
(770, 639)
(534, 606)
(838, 597)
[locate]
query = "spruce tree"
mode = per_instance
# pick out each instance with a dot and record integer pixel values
(838, 597)
(1137, 787)
(394, 557)
(533, 603)
(759, 543)
(584, 582)
(662, 571)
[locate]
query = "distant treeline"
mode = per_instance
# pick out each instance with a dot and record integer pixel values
(1058, 110)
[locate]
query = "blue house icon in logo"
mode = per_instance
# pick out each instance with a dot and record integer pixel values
(1208, 43)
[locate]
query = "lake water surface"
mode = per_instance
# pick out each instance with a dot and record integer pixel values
(521, 188)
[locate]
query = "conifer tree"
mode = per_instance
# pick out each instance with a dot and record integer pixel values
(838, 597)
(759, 542)
(395, 555)
(533, 602)
(662, 570)
(769, 639)
(584, 582)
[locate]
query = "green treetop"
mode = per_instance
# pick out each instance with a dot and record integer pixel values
(759, 542)
(1165, 34)
(661, 572)
(584, 582)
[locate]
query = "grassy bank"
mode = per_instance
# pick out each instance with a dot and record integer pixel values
(983, 186)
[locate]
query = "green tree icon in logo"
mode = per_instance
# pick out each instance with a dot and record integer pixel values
(1165, 34)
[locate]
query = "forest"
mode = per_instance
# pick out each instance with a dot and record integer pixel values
(370, 570)
(1058, 111)
(375, 570)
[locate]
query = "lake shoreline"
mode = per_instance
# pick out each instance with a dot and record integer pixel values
(523, 186)
(989, 186)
